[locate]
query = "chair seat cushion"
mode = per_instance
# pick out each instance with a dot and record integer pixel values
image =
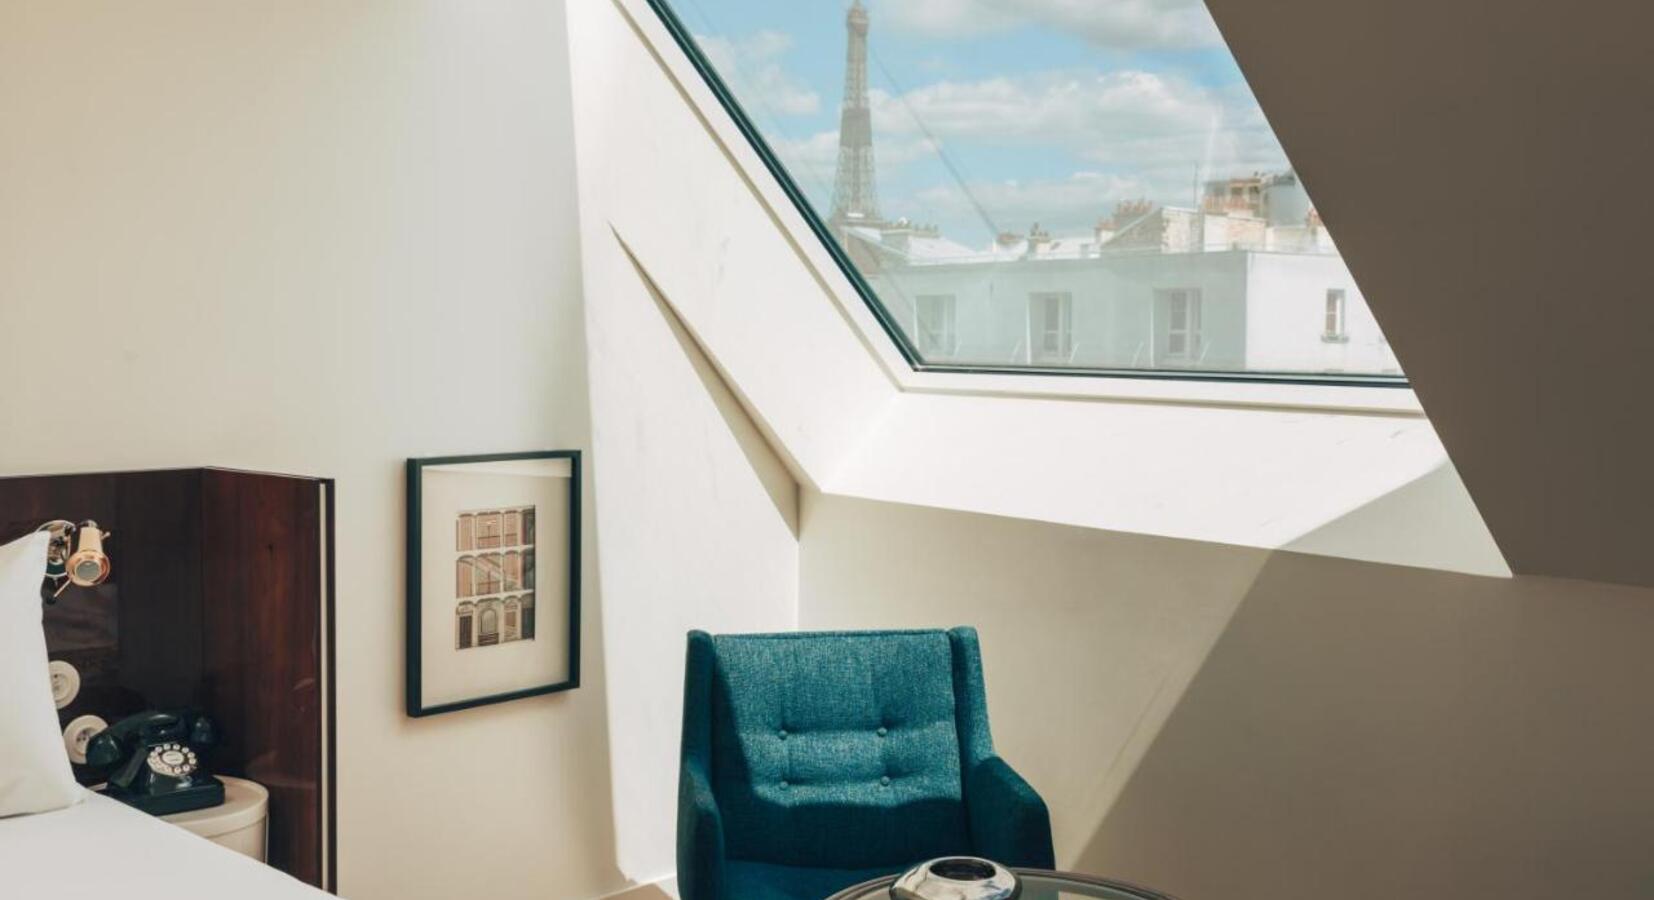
(766, 881)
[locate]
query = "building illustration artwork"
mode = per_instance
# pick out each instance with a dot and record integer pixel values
(493, 577)
(1242, 276)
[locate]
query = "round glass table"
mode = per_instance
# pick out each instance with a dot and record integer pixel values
(1037, 884)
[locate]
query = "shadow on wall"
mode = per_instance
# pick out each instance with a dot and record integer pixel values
(1430, 521)
(1089, 638)
(1369, 731)
(762, 453)
(1237, 724)
(1130, 618)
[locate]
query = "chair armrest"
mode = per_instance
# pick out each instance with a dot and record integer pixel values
(700, 836)
(1009, 822)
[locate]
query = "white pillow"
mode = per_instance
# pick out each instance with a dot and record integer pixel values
(34, 767)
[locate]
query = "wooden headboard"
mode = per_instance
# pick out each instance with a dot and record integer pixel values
(221, 599)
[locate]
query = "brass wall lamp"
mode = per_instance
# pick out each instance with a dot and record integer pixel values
(83, 564)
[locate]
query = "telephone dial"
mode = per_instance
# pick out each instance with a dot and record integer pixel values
(154, 761)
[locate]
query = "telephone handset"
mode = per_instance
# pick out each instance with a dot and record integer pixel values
(153, 761)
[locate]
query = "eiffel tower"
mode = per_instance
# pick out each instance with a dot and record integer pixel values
(855, 194)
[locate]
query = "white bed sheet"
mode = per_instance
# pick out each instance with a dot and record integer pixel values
(100, 849)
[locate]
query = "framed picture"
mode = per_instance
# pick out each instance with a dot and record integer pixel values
(493, 579)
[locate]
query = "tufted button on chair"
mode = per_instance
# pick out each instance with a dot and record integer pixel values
(813, 761)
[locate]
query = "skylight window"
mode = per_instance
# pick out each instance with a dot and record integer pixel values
(1024, 185)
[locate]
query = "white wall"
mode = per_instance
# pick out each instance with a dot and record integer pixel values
(697, 516)
(697, 523)
(1228, 723)
(321, 237)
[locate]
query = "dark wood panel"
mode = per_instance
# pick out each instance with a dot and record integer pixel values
(215, 601)
(158, 548)
(83, 626)
(262, 574)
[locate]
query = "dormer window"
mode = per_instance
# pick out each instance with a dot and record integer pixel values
(1018, 211)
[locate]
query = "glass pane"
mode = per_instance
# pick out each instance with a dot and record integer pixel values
(1004, 153)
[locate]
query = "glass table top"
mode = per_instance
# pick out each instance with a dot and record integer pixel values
(1036, 885)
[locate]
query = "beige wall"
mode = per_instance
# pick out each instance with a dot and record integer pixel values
(1227, 723)
(320, 237)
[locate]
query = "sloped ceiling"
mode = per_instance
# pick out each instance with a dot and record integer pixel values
(1487, 169)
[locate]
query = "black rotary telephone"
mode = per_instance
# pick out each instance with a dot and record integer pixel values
(153, 761)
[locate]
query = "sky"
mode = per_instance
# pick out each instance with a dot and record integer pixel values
(994, 115)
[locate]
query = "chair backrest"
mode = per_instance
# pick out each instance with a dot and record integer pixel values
(839, 749)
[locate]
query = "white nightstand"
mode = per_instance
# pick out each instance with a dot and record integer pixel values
(238, 823)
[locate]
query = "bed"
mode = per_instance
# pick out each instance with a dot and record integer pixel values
(218, 601)
(102, 849)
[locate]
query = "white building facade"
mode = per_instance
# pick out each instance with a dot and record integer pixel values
(1250, 283)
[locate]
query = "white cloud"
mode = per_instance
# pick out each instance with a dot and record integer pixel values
(1113, 24)
(1141, 135)
(1138, 124)
(752, 67)
(1063, 206)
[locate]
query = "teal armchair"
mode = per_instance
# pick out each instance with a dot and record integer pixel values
(812, 761)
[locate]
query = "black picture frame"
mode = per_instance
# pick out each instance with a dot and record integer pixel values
(414, 609)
